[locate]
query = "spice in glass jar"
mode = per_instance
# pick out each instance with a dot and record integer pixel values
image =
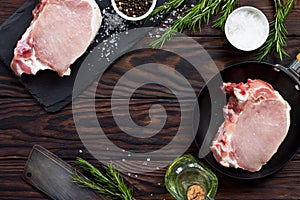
(195, 192)
(189, 179)
(133, 8)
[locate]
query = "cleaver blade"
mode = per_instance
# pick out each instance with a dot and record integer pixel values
(51, 175)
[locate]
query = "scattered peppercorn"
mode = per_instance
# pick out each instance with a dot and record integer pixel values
(133, 8)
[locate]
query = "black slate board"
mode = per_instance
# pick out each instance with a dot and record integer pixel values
(52, 91)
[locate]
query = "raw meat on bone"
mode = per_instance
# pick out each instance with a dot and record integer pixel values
(60, 32)
(257, 120)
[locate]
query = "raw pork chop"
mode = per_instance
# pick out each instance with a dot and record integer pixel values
(60, 32)
(257, 120)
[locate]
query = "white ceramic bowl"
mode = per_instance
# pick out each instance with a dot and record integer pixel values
(247, 28)
(114, 5)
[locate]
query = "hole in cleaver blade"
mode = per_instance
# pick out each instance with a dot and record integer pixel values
(53, 176)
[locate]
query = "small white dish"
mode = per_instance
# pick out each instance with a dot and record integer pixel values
(247, 28)
(123, 15)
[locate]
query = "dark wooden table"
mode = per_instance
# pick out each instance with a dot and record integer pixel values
(24, 123)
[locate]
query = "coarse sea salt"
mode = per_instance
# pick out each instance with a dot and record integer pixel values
(109, 35)
(247, 28)
(166, 23)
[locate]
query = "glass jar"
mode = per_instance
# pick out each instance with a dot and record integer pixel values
(189, 179)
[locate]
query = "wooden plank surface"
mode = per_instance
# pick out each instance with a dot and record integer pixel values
(218, 49)
(24, 123)
(16, 142)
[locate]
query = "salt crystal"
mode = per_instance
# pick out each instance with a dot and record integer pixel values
(113, 40)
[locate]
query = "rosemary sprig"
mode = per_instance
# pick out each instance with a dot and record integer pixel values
(170, 32)
(194, 17)
(277, 37)
(227, 8)
(207, 11)
(110, 183)
(166, 7)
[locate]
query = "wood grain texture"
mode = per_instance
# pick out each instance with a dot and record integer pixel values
(267, 7)
(220, 51)
(8, 8)
(24, 123)
(56, 132)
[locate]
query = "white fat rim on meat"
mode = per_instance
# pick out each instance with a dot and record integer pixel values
(226, 160)
(239, 96)
(35, 64)
(228, 111)
(97, 17)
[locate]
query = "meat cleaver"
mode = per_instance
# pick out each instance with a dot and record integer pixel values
(53, 176)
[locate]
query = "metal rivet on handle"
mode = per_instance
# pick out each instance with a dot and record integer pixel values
(28, 174)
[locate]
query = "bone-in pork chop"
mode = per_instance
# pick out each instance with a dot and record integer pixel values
(257, 119)
(60, 32)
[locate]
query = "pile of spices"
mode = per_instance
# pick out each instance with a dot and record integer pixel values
(195, 192)
(133, 8)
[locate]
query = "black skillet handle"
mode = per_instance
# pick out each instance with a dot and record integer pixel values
(295, 66)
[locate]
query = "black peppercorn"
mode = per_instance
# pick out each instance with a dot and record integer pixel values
(134, 8)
